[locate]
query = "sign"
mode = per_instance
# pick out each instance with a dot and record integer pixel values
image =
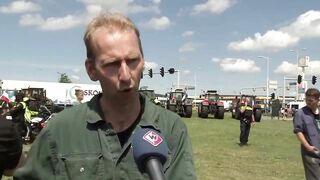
(190, 87)
(273, 84)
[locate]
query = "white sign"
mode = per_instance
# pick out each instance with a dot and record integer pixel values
(273, 84)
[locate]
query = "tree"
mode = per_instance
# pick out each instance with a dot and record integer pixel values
(64, 78)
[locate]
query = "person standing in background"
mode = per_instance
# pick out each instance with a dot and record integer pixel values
(10, 142)
(246, 120)
(79, 96)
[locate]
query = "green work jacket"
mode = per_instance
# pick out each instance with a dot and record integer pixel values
(78, 144)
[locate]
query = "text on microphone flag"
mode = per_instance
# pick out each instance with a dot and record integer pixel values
(153, 138)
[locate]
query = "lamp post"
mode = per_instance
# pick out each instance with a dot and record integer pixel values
(297, 51)
(268, 61)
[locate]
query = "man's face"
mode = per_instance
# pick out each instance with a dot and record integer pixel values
(312, 101)
(80, 96)
(118, 62)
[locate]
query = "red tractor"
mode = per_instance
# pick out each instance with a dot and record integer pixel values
(179, 102)
(211, 105)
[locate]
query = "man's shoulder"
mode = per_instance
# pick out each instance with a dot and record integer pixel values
(70, 115)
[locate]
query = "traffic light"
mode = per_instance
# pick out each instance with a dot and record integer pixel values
(162, 71)
(273, 95)
(314, 80)
(299, 79)
(150, 73)
(171, 70)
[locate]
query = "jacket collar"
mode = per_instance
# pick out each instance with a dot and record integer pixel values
(149, 118)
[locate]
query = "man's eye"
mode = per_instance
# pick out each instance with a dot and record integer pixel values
(112, 64)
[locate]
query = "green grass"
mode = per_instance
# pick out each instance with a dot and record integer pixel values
(273, 152)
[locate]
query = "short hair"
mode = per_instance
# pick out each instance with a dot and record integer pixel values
(78, 91)
(313, 92)
(112, 21)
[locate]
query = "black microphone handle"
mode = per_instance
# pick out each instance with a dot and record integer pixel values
(154, 168)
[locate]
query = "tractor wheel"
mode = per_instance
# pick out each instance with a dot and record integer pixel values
(199, 111)
(220, 113)
(257, 115)
(204, 111)
(172, 108)
(233, 114)
(188, 111)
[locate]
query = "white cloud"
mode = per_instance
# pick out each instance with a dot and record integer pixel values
(306, 25)
(213, 6)
(189, 47)
(20, 7)
(238, 65)
(124, 6)
(187, 33)
(52, 23)
(157, 23)
(31, 20)
(270, 41)
(286, 68)
(215, 60)
(60, 23)
(110, 5)
(156, 1)
(135, 8)
(150, 65)
(93, 8)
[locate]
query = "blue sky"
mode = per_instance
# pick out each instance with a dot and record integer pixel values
(214, 44)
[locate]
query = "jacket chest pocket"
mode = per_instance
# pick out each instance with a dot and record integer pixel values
(84, 166)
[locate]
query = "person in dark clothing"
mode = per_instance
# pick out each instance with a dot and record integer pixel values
(17, 112)
(10, 142)
(247, 119)
(306, 123)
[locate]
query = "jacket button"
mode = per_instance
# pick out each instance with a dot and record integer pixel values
(82, 169)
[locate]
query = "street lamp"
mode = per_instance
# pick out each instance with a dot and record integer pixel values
(268, 61)
(297, 51)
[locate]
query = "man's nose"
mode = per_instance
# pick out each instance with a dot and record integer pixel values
(124, 72)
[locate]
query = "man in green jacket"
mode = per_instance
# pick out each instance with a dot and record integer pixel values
(93, 140)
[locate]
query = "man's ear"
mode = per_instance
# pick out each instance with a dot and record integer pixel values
(91, 70)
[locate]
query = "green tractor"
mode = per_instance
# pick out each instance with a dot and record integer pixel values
(150, 94)
(179, 102)
(257, 110)
(211, 105)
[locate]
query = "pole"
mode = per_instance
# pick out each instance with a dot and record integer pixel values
(195, 85)
(267, 58)
(268, 74)
(284, 91)
(178, 78)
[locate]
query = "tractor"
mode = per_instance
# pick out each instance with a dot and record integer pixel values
(179, 102)
(151, 95)
(257, 110)
(211, 105)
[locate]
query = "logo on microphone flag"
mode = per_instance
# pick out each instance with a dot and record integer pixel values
(153, 138)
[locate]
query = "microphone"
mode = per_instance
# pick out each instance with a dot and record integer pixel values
(150, 152)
